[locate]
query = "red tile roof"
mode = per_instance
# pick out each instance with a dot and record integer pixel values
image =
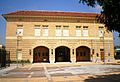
(52, 13)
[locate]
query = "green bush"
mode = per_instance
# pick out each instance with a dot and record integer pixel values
(20, 61)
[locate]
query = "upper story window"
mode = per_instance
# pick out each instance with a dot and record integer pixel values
(19, 30)
(58, 31)
(85, 31)
(65, 30)
(45, 30)
(78, 30)
(101, 31)
(37, 30)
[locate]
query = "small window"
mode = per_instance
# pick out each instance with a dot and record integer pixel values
(58, 31)
(45, 30)
(78, 27)
(58, 27)
(66, 27)
(66, 31)
(78, 30)
(85, 31)
(101, 31)
(37, 31)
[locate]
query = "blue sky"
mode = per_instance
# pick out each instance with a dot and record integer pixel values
(7, 6)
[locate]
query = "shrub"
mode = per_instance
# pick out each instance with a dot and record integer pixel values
(20, 61)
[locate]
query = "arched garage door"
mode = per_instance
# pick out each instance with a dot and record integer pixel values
(40, 54)
(62, 54)
(82, 54)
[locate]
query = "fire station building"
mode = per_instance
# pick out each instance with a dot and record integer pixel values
(57, 36)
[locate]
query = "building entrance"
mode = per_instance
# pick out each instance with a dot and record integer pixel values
(82, 54)
(40, 54)
(62, 54)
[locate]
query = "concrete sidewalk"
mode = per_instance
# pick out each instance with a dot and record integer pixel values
(4, 70)
(61, 72)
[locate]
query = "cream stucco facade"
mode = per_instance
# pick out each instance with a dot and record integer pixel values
(28, 41)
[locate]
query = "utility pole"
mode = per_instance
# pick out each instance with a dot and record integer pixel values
(104, 45)
(109, 46)
(18, 40)
(17, 49)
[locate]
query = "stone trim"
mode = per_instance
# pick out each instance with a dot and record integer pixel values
(88, 38)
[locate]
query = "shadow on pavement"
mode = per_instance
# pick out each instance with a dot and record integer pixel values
(104, 78)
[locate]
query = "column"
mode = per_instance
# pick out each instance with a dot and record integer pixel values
(31, 57)
(73, 55)
(91, 54)
(52, 55)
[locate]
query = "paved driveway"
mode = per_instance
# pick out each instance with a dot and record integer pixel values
(62, 73)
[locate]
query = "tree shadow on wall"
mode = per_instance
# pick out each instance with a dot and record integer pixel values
(104, 78)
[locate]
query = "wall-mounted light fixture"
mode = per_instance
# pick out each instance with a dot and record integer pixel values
(92, 51)
(52, 51)
(72, 51)
(97, 54)
(30, 51)
(108, 54)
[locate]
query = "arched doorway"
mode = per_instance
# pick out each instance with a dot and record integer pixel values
(62, 54)
(82, 54)
(40, 54)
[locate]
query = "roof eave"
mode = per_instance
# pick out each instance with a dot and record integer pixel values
(6, 16)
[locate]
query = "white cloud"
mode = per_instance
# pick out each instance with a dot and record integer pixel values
(98, 7)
